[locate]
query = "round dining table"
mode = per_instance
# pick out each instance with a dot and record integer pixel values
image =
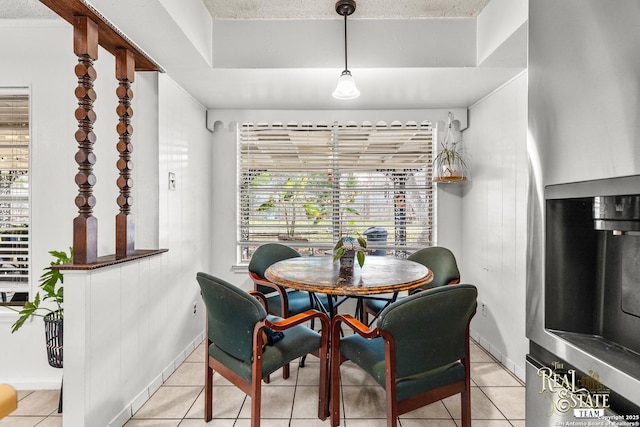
(322, 275)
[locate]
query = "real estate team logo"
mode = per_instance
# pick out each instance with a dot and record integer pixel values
(585, 397)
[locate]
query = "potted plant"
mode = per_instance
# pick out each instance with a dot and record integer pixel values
(52, 290)
(449, 163)
(349, 248)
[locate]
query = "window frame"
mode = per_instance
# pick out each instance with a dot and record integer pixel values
(19, 291)
(400, 161)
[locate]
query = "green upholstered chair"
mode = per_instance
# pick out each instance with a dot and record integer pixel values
(235, 343)
(415, 366)
(439, 260)
(280, 301)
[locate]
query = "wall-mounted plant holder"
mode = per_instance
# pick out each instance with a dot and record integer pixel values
(450, 163)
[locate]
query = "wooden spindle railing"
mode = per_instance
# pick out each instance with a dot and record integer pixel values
(125, 227)
(85, 225)
(91, 30)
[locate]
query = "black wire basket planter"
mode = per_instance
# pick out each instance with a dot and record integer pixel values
(54, 331)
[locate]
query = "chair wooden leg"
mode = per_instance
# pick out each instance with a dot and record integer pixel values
(392, 410)
(285, 371)
(335, 393)
(323, 397)
(334, 379)
(255, 404)
(208, 392)
(390, 382)
(465, 410)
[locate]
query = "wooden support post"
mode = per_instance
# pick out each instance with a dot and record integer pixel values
(125, 227)
(85, 225)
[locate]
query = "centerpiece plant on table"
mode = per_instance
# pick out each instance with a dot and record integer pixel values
(351, 245)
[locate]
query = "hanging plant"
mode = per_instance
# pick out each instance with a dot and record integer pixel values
(450, 163)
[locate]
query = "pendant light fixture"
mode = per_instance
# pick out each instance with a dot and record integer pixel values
(346, 88)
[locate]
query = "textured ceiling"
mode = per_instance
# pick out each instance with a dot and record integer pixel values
(24, 9)
(428, 63)
(292, 9)
(325, 9)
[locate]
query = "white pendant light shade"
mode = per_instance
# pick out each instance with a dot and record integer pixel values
(346, 88)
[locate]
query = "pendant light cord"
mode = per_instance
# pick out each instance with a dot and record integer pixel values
(345, 43)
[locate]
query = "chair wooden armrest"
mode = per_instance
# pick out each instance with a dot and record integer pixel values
(260, 297)
(257, 280)
(356, 325)
(298, 319)
(282, 292)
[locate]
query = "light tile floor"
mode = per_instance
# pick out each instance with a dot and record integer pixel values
(497, 400)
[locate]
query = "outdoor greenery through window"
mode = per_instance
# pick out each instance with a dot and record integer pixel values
(306, 186)
(14, 196)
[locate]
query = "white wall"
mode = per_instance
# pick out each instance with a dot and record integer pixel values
(136, 318)
(146, 204)
(131, 325)
(48, 71)
(197, 222)
(500, 22)
(224, 176)
(427, 42)
(482, 221)
(494, 225)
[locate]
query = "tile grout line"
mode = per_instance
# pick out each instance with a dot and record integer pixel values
(344, 421)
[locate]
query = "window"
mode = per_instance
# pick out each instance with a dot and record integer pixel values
(306, 186)
(14, 196)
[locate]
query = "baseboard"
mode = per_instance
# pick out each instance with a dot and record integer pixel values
(33, 385)
(144, 395)
(510, 365)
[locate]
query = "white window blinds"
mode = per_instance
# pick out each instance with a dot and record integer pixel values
(14, 194)
(308, 185)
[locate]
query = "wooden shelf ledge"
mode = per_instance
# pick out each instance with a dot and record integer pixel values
(107, 260)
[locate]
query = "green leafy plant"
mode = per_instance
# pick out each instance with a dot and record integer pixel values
(303, 197)
(345, 244)
(449, 163)
(451, 156)
(52, 290)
